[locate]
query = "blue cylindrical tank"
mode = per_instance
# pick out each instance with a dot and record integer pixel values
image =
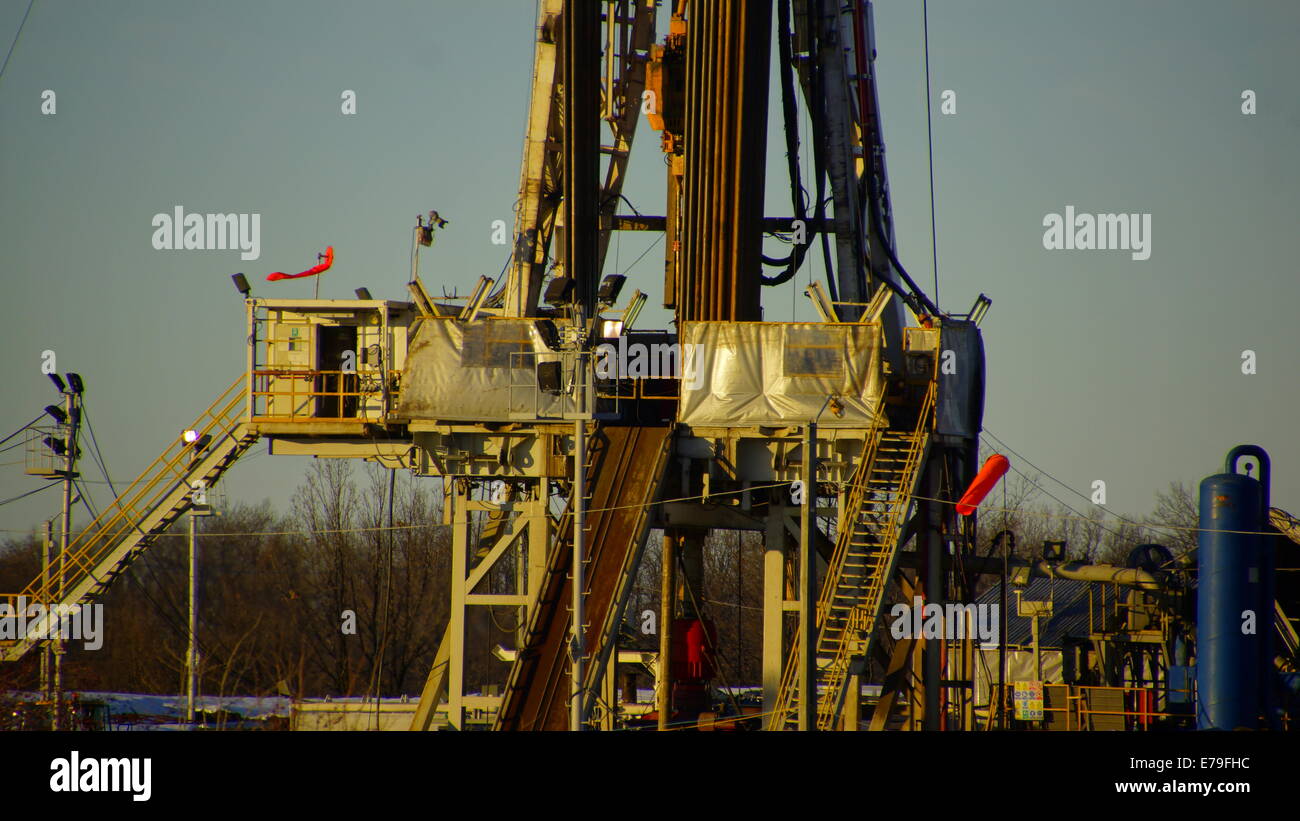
(1230, 662)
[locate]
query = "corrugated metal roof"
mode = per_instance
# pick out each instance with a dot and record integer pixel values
(1069, 609)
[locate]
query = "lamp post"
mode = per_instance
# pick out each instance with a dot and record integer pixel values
(198, 509)
(72, 411)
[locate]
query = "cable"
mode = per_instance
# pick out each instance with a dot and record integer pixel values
(929, 133)
(1059, 501)
(734, 604)
(16, 36)
(380, 457)
(1058, 481)
(818, 118)
(790, 116)
(700, 497)
(95, 451)
(24, 496)
(1121, 517)
(917, 295)
(84, 496)
(20, 430)
(607, 200)
(658, 239)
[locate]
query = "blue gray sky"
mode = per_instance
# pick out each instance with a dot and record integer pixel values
(1100, 366)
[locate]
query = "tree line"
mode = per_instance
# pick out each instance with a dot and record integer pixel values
(346, 592)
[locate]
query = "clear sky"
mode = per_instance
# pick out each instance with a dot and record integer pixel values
(1100, 366)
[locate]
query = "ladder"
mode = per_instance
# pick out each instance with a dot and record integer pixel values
(551, 597)
(859, 570)
(1287, 631)
(143, 512)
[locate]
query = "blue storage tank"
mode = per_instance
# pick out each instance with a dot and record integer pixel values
(1233, 667)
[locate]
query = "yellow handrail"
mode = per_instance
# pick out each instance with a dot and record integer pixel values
(865, 613)
(107, 529)
(857, 493)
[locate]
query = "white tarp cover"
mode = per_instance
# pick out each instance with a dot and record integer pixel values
(779, 374)
(464, 371)
(1020, 667)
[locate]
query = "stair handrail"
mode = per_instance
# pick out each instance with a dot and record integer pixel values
(123, 514)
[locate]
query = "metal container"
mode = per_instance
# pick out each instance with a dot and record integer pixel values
(1231, 661)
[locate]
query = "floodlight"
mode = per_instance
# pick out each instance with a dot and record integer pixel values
(550, 378)
(610, 287)
(559, 291)
(611, 328)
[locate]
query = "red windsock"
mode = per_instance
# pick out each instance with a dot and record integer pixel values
(993, 470)
(312, 271)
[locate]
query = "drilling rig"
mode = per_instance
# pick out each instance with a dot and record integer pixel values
(854, 413)
(564, 436)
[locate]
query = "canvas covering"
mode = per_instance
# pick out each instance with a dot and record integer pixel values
(781, 374)
(481, 371)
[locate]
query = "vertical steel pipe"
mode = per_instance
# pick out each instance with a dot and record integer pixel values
(581, 47)
(726, 143)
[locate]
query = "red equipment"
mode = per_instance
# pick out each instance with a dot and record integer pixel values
(327, 260)
(693, 641)
(994, 469)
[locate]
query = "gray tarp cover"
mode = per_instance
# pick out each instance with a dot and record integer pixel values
(781, 374)
(960, 407)
(773, 374)
(462, 371)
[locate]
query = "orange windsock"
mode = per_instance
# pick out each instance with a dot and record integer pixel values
(327, 259)
(993, 470)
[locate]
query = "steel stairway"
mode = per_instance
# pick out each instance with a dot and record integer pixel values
(126, 528)
(860, 568)
(1288, 628)
(624, 468)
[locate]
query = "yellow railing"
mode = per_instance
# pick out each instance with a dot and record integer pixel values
(294, 395)
(116, 521)
(859, 488)
(639, 390)
(888, 538)
(1139, 711)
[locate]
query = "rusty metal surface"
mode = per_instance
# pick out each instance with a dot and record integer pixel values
(580, 56)
(624, 476)
(727, 56)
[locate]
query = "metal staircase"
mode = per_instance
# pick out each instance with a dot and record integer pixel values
(1288, 628)
(553, 594)
(144, 511)
(624, 468)
(865, 547)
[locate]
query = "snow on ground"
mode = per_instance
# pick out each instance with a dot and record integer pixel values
(165, 712)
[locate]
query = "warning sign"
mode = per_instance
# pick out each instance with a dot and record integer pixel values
(1028, 700)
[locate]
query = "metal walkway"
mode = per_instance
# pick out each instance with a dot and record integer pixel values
(144, 511)
(860, 569)
(624, 468)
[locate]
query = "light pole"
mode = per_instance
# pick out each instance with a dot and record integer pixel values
(808, 584)
(198, 508)
(578, 666)
(72, 410)
(47, 651)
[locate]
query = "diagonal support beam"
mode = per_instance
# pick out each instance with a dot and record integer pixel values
(503, 543)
